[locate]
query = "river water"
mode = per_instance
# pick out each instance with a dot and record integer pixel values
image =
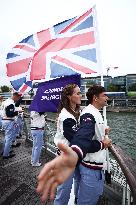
(123, 130)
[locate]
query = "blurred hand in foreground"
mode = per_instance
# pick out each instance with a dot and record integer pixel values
(56, 172)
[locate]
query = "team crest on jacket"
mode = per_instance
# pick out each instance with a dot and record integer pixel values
(87, 119)
(75, 128)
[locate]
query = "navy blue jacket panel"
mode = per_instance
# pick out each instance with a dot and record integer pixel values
(69, 128)
(86, 130)
(10, 111)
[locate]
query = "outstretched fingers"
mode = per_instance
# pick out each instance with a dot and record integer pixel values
(56, 172)
(46, 190)
(53, 190)
(44, 177)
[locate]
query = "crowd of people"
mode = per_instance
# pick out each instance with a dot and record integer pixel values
(80, 141)
(11, 122)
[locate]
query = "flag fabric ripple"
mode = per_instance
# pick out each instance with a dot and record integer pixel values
(67, 48)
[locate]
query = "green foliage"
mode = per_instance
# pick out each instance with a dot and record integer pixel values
(116, 88)
(90, 82)
(112, 88)
(131, 94)
(132, 87)
(5, 88)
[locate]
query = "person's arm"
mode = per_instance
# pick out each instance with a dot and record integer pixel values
(56, 172)
(82, 141)
(10, 111)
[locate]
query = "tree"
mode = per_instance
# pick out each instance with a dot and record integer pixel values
(132, 87)
(116, 88)
(112, 88)
(5, 88)
(90, 83)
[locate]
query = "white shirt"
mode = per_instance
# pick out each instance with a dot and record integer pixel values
(37, 120)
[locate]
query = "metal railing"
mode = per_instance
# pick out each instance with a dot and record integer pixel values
(5, 95)
(128, 168)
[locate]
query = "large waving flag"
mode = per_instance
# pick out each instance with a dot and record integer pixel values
(65, 49)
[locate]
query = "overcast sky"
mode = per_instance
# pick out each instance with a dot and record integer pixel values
(116, 25)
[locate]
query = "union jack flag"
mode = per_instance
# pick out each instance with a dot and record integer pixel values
(67, 48)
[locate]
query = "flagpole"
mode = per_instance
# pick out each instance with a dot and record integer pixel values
(96, 33)
(101, 74)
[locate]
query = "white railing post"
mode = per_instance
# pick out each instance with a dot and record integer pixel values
(124, 196)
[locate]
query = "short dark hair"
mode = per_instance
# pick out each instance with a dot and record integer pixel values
(94, 90)
(17, 94)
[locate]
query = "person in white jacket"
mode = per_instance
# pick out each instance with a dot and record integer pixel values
(8, 114)
(67, 126)
(37, 131)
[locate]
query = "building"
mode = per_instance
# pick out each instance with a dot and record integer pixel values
(122, 83)
(119, 82)
(130, 80)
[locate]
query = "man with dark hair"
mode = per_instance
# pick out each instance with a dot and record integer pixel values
(8, 123)
(87, 148)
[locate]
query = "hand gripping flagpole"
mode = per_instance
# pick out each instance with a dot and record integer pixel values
(101, 74)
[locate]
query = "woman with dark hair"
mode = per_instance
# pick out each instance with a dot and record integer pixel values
(67, 125)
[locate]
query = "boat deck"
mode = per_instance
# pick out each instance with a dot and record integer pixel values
(18, 177)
